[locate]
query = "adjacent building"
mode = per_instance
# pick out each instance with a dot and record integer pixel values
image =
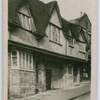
(45, 51)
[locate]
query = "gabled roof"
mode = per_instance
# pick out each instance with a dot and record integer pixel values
(82, 21)
(40, 11)
(66, 26)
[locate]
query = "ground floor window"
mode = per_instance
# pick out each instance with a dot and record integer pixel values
(14, 58)
(20, 59)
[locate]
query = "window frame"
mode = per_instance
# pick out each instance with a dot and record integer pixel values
(56, 38)
(20, 61)
(22, 18)
(84, 46)
(14, 67)
(71, 45)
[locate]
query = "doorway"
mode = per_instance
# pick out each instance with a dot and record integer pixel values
(48, 79)
(75, 72)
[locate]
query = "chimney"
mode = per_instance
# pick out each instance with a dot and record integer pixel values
(81, 14)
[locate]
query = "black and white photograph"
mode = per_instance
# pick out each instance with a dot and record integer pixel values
(49, 49)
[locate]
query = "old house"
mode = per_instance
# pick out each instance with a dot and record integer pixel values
(85, 25)
(44, 50)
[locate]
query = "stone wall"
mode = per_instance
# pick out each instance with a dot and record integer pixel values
(27, 83)
(14, 89)
(55, 74)
(22, 83)
(41, 86)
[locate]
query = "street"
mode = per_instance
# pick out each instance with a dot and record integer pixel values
(85, 97)
(81, 93)
(77, 93)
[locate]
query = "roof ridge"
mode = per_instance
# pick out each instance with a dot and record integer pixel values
(51, 2)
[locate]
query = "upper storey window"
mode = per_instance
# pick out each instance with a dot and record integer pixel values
(54, 33)
(82, 47)
(26, 19)
(71, 42)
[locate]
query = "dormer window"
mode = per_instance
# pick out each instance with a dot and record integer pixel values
(26, 19)
(71, 42)
(54, 33)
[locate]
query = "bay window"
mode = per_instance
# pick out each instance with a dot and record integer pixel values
(21, 60)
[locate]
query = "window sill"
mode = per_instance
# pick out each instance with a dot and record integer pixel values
(21, 69)
(82, 52)
(55, 42)
(71, 46)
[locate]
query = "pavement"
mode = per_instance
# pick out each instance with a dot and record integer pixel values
(74, 93)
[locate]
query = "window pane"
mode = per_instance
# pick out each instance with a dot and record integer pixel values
(20, 59)
(14, 61)
(54, 34)
(26, 23)
(58, 35)
(70, 41)
(24, 60)
(30, 61)
(49, 31)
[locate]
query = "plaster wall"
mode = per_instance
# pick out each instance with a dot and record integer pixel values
(74, 51)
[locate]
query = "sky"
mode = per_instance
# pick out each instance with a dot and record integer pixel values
(70, 9)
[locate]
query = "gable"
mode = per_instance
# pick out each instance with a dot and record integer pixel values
(40, 11)
(26, 20)
(85, 23)
(25, 10)
(55, 19)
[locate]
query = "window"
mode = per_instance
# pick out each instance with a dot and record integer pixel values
(26, 21)
(26, 62)
(22, 60)
(82, 47)
(71, 42)
(14, 58)
(54, 33)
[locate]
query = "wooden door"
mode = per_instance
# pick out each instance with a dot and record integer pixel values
(48, 79)
(75, 72)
